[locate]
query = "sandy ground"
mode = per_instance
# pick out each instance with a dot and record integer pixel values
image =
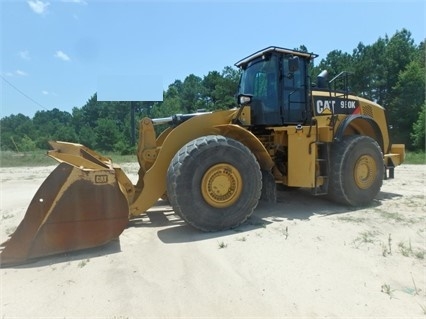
(303, 257)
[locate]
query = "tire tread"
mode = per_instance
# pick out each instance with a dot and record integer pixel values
(175, 171)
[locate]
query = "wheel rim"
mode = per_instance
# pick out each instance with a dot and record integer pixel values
(365, 171)
(221, 185)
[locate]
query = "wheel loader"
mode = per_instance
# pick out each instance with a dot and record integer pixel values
(214, 167)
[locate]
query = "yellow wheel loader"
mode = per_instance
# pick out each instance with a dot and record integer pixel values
(214, 167)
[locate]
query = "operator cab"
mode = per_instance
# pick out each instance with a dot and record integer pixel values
(275, 84)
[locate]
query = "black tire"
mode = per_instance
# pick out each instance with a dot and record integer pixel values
(214, 183)
(357, 170)
(269, 188)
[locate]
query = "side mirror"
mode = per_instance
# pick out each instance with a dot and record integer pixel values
(293, 64)
(244, 99)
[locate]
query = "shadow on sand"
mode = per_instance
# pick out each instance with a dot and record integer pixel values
(290, 205)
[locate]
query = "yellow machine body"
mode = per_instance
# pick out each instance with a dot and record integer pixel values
(215, 163)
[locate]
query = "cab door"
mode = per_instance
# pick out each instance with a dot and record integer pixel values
(294, 90)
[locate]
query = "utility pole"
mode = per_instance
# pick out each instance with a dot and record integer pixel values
(132, 121)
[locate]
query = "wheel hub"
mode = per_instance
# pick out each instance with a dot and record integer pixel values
(221, 185)
(365, 171)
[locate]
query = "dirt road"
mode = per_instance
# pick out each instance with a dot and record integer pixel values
(302, 257)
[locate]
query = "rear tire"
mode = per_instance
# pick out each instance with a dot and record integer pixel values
(214, 183)
(357, 170)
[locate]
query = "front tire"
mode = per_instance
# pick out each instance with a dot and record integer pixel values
(357, 170)
(214, 183)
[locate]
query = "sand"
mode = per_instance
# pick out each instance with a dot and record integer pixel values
(303, 257)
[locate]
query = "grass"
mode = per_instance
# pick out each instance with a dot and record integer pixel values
(222, 245)
(40, 158)
(352, 219)
(285, 232)
(34, 158)
(407, 251)
(387, 249)
(423, 308)
(366, 237)
(415, 158)
(392, 215)
(386, 288)
(416, 291)
(83, 263)
(7, 216)
(420, 254)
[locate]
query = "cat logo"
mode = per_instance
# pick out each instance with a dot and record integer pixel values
(325, 105)
(101, 179)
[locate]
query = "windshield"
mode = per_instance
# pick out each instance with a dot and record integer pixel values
(260, 79)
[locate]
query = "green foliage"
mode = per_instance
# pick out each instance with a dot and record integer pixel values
(27, 144)
(405, 107)
(123, 148)
(107, 134)
(336, 62)
(13, 129)
(220, 89)
(369, 71)
(53, 125)
(390, 71)
(87, 137)
(419, 129)
(192, 94)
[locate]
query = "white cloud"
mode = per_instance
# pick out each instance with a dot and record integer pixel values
(21, 73)
(38, 6)
(62, 56)
(75, 1)
(50, 93)
(16, 73)
(25, 55)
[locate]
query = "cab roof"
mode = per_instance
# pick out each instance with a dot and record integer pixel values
(275, 49)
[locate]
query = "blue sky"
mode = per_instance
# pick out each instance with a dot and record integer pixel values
(55, 53)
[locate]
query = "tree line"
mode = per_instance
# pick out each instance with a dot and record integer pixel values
(390, 71)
